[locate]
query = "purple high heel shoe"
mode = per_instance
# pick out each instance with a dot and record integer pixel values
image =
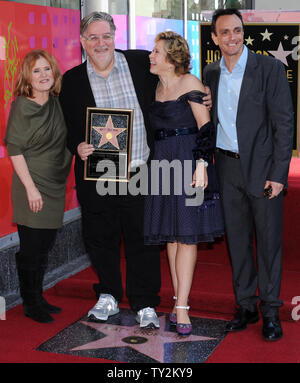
(173, 316)
(184, 329)
(173, 319)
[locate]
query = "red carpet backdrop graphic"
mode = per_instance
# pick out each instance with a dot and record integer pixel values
(276, 40)
(23, 28)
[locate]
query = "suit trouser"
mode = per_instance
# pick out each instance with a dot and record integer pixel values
(118, 216)
(246, 216)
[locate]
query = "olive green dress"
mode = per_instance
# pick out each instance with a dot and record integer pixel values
(39, 133)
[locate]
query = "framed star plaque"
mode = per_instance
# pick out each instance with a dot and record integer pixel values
(110, 133)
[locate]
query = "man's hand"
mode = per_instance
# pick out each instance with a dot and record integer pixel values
(276, 188)
(207, 101)
(84, 150)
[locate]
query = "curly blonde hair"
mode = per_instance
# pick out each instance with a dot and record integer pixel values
(23, 84)
(177, 49)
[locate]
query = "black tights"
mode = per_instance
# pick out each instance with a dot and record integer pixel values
(35, 245)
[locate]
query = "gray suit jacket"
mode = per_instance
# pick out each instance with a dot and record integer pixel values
(264, 120)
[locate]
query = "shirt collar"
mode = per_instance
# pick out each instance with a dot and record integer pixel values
(240, 65)
(91, 70)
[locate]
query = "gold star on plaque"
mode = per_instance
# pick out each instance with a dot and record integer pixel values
(109, 133)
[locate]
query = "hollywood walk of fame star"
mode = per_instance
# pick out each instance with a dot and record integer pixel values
(281, 54)
(109, 133)
(266, 35)
(249, 41)
(147, 342)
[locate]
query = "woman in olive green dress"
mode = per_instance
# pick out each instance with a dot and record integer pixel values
(36, 144)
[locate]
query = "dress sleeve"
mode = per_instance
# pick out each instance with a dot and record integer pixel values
(194, 96)
(15, 137)
(205, 137)
(204, 143)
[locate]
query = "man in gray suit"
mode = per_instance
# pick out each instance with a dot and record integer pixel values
(253, 115)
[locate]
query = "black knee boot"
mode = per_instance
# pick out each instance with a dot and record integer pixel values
(46, 305)
(30, 289)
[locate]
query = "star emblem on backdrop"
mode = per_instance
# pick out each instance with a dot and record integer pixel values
(266, 35)
(249, 41)
(108, 133)
(148, 342)
(281, 54)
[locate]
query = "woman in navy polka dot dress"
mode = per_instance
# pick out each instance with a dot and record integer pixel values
(184, 139)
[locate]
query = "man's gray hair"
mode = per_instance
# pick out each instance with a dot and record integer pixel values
(96, 16)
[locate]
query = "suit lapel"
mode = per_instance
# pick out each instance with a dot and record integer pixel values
(247, 83)
(214, 86)
(85, 88)
(246, 86)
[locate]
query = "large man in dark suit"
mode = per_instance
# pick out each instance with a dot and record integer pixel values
(253, 115)
(113, 79)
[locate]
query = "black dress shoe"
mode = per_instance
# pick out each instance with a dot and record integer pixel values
(272, 328)
(241, 319)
